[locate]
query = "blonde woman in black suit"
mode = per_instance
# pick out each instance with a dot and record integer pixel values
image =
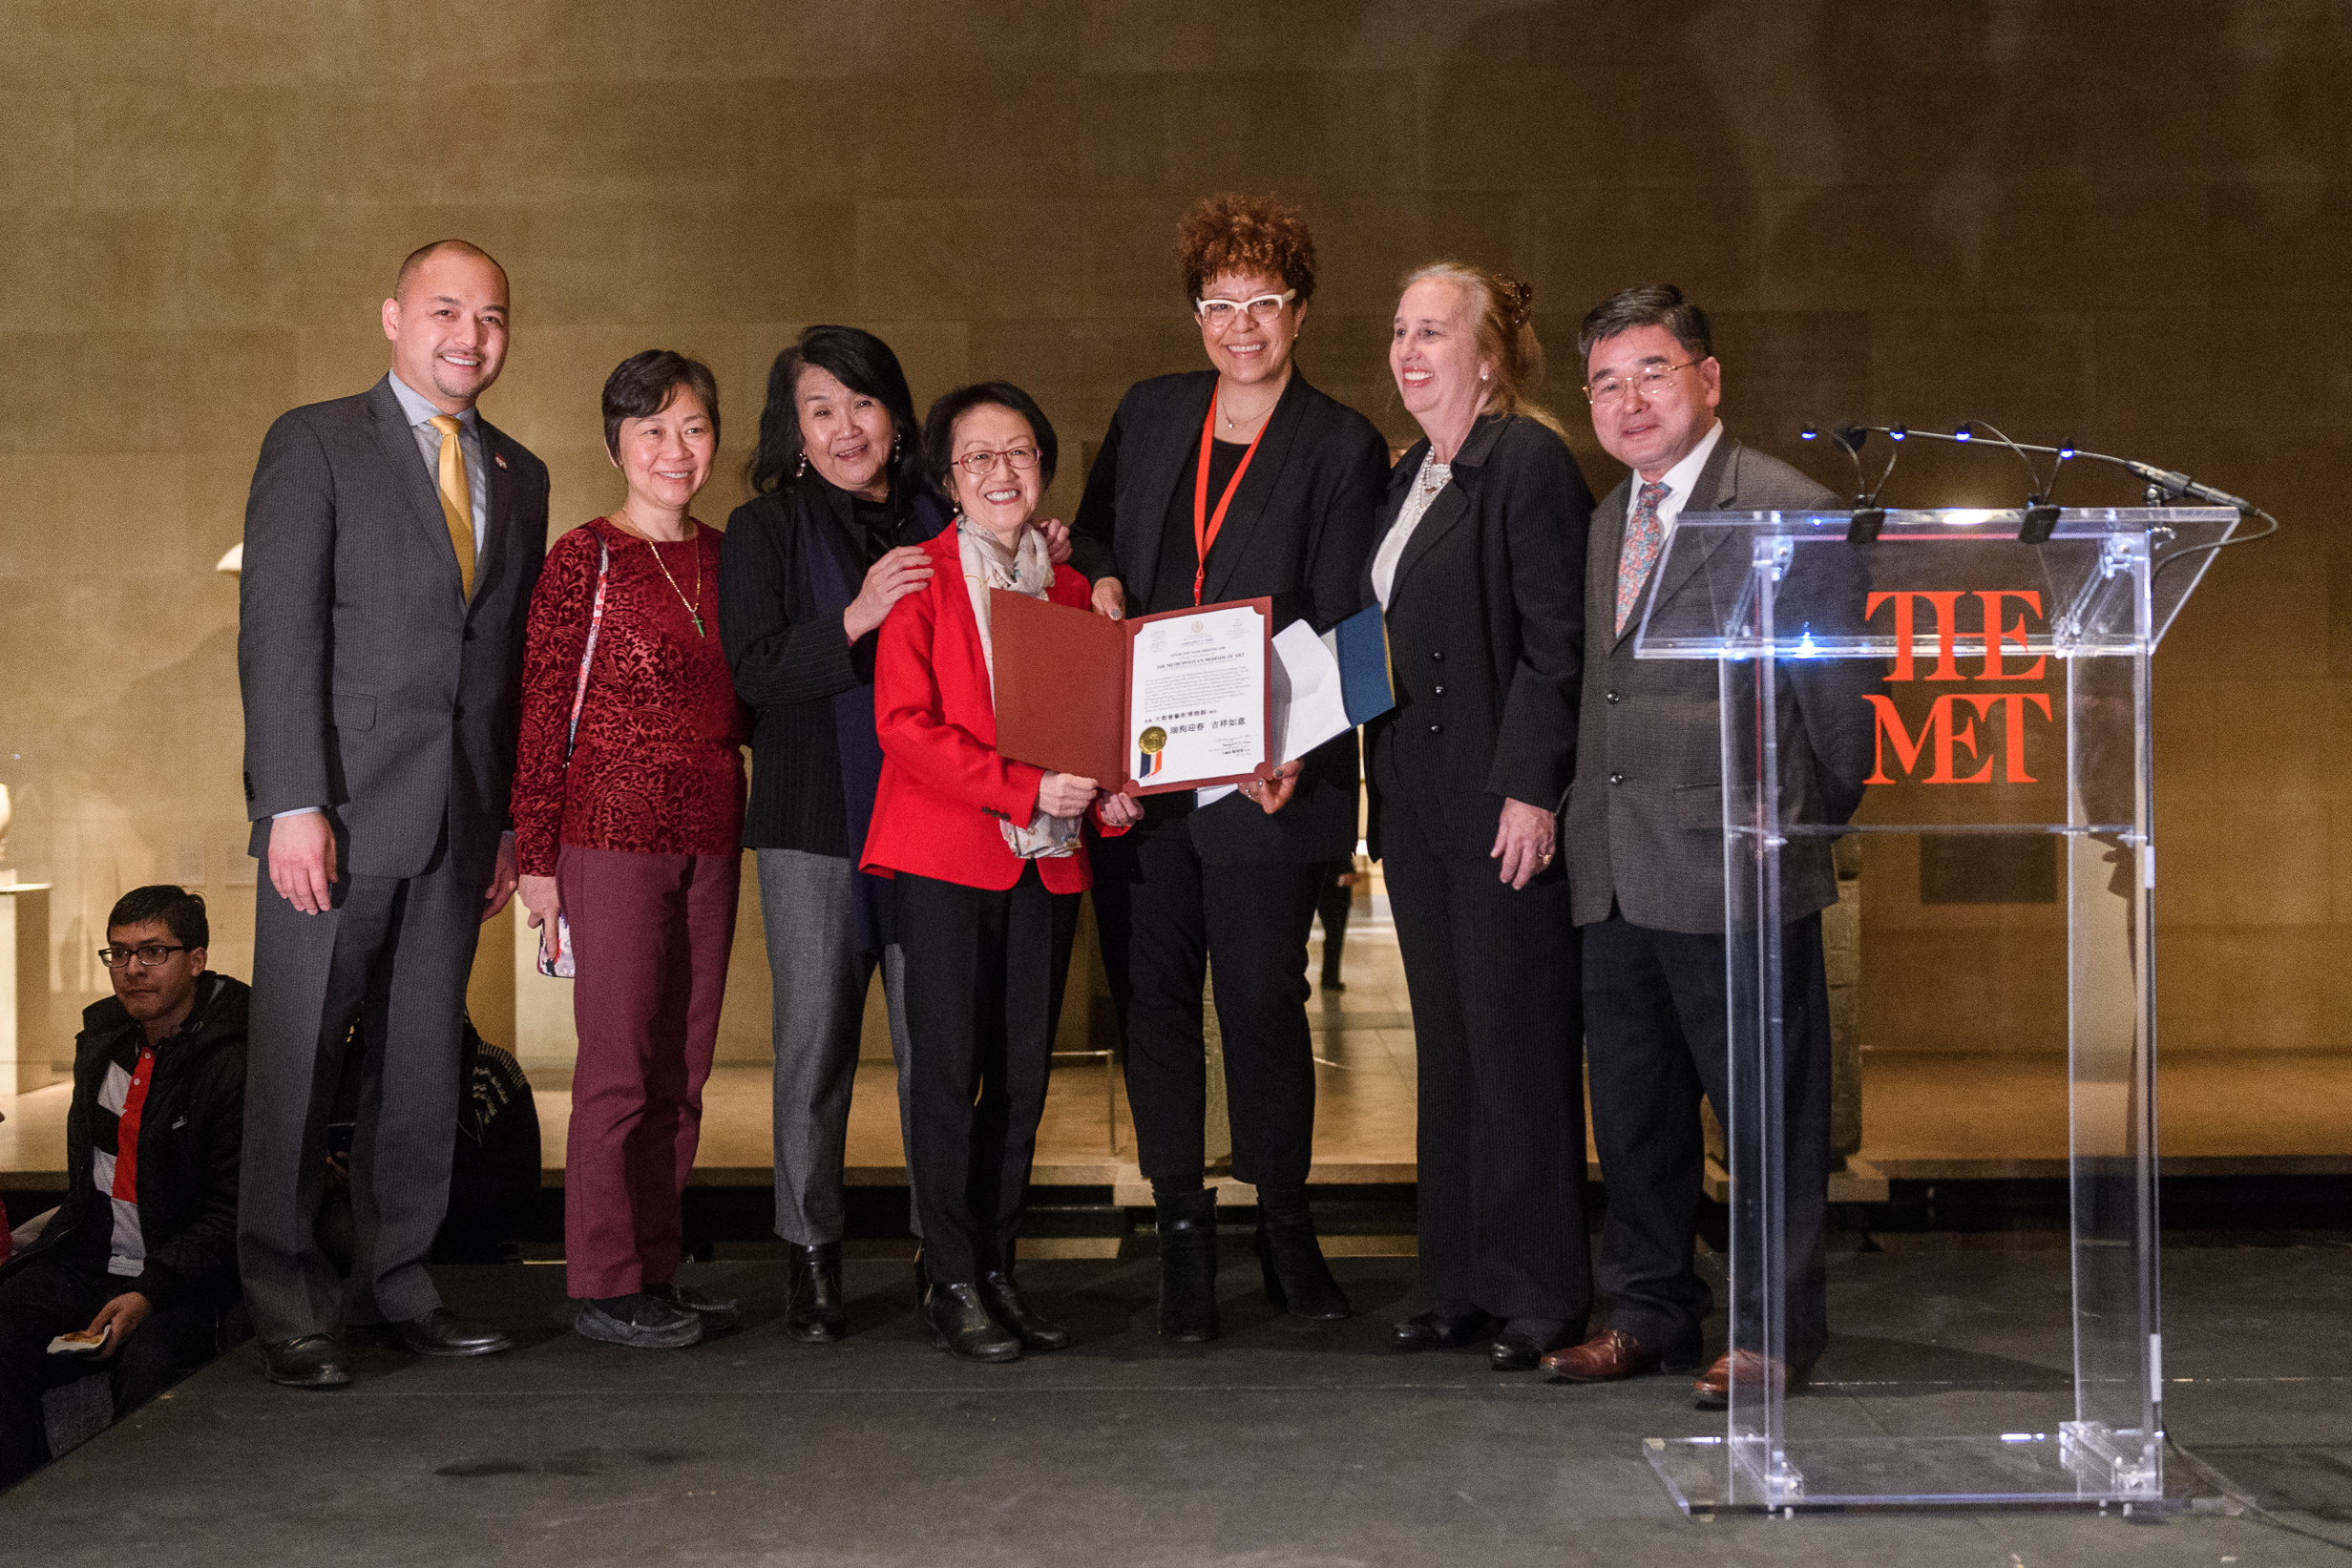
(1479, 570)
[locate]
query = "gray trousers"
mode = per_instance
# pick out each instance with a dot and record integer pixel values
(820, 1008)
(392, 952)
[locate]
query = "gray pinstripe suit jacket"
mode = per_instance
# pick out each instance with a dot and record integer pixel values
(1644, 824)
(371, 686)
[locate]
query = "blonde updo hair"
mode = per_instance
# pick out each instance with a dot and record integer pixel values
(1499, 308)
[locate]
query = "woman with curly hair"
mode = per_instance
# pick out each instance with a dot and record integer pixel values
(1228, 483)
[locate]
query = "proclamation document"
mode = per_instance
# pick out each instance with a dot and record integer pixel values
(1197, 697)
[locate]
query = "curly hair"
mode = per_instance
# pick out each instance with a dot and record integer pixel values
(1232, 233)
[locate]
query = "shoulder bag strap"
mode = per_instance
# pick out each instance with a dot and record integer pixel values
(596, 624)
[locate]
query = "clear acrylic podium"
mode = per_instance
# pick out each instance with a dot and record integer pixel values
(2007, 693)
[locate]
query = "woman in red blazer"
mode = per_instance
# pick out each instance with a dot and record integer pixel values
(989, 859)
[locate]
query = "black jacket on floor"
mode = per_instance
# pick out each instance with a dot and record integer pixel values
(190, 1138)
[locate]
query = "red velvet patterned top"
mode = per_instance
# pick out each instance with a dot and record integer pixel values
(659, 767)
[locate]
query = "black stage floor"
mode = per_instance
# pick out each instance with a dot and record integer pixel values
(1283, 1445)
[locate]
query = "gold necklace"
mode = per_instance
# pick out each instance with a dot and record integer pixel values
(693, 605)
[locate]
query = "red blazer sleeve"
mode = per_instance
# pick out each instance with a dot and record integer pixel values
(926, 714)
(555, 637)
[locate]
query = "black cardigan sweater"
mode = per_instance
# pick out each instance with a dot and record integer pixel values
(790, 660)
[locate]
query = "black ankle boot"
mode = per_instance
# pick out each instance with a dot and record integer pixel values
(1297, 1278)
(1188, 1226)
(812, 1311)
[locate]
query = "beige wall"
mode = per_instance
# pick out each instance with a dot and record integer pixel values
(2122, 224)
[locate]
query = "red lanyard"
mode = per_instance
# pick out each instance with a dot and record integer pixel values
(1205, 526)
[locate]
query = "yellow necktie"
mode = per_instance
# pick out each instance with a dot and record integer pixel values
(456, 499)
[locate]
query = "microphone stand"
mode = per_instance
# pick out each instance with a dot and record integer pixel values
(2164, 486)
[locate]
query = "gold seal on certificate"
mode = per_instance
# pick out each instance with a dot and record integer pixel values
(1152, 740)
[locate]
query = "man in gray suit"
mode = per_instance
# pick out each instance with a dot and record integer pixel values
(1645, 843)
(392, 542)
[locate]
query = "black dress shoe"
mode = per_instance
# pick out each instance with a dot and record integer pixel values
(717, 1316)
(308, 1361)
(812, 1311)
(1525, 1342)
(437, 1333)
(1188, 1226)
(1443, 1328)
(1006, 1305)
(959, 1325)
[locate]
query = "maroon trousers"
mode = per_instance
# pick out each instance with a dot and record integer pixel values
(650, 935)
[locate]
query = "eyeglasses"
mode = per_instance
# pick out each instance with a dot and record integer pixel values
(1218, 314)
(1652, 381)
(148, 953)
(980, 464)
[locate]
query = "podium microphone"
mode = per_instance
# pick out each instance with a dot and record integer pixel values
(2175, 485)
(1848, 437)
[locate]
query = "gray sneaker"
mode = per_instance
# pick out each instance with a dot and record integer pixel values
(656, 1325)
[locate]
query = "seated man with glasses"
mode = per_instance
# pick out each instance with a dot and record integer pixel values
(140, 1259)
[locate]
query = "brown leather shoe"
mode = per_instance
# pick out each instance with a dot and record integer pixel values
(1756, 1376)
(1604, 1358)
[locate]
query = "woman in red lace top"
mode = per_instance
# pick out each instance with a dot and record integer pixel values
(634, 841)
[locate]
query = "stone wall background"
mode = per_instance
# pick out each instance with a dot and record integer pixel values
(2118, 223)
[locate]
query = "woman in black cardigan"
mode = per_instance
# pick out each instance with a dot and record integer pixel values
(809, 567)
(1228, 880)
(1480, 569)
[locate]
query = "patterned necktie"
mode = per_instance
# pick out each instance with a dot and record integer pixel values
(1639, 552)
(456, 499)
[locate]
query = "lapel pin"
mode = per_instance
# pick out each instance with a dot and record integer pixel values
(498, 458)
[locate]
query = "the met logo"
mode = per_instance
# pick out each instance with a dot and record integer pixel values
(1949, 737)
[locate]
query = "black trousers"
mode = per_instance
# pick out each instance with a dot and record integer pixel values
(392, 952)
(984, 977)
(1332, 904)
(1657, 1034)
(1166, 918)
(1497, 1016)
(47, 1298)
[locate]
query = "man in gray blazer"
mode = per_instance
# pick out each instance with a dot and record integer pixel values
(1644, 845)
(392, 542)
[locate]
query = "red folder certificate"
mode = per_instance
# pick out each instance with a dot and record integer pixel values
(1176, 701)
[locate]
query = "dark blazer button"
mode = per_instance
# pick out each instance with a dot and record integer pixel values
(1436, 729)
(1437, 653)
(1608, 696)
(1616, 778)
(1437, 691)
(470, 638)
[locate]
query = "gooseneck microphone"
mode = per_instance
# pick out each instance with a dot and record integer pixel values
(1848, 437)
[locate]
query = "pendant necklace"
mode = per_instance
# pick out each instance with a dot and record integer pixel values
(693, 605)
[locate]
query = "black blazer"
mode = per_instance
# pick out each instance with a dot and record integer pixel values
(1298, 532)
(1485, 632)
(790, 661)
(372, 686)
